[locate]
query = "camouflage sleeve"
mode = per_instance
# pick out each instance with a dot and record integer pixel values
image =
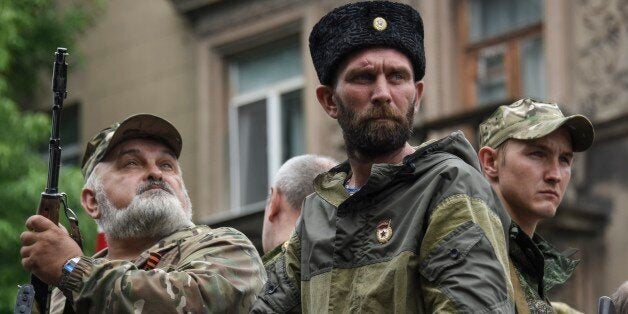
(282, 291)
(221, 272)
(463, 259)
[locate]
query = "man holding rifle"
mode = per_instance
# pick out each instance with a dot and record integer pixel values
(158, 261)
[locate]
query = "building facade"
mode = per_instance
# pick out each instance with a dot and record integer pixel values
(236, 79)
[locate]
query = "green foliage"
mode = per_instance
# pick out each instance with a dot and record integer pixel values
(30, 31)
(24, 173)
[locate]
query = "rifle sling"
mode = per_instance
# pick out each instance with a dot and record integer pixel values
(75, 232)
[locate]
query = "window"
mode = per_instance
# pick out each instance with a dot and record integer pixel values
(266, 125)
(502, 51)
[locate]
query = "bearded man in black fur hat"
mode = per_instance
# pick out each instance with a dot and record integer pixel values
(395, 228)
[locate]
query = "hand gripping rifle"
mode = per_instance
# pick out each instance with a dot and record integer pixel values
(51, 198)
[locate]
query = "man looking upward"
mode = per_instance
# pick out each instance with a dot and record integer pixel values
(157, 261)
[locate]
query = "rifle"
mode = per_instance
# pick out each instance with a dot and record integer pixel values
(51, 198)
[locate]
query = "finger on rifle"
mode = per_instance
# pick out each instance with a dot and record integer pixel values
(27, 263)
(38, 223)
(28, 238)
(25, 252)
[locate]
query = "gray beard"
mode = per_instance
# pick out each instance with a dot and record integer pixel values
(151, 214)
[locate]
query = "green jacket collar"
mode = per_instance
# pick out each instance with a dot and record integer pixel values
(272, 255)
(330, 185)
(542, 265)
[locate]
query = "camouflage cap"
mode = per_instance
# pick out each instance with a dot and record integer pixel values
(136, 126)
(527, 119)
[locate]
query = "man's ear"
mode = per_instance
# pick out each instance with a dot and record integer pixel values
(90, 204)
(489, 160)
(419, 95)
(325, 96)
(274, 204)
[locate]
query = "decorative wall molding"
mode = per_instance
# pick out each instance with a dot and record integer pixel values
(211, 17)
(601, 56)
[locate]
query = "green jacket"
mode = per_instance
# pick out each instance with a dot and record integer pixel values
(539, 268)
(424, 236)
(201, 270)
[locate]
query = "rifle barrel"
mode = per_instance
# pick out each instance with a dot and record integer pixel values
(59, 82)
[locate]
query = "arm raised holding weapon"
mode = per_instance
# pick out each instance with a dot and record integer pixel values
(46, 247)
(157, 259)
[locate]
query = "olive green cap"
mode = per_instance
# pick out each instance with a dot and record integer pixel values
(136, 126)
(527, 119)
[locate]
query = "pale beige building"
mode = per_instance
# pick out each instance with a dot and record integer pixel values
(236, 79)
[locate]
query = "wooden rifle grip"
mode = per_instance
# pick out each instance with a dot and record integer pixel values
(49, 205)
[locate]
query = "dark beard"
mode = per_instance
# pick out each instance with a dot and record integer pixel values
(370, 138)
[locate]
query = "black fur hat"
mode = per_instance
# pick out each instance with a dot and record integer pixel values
(360, 25)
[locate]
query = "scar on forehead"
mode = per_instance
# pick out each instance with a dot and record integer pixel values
(364, 62)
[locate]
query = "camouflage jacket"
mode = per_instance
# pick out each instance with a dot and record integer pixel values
(423, 236)
(539, 267)
(201, 270)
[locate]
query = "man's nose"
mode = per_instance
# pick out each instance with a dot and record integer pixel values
(381, 92)
(154, 172)
(552, 172)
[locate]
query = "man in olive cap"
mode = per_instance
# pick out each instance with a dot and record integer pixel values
(527, 151)
(395, 228)
(157, 261)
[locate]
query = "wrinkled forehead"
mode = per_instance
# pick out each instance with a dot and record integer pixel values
(139, 146)
(390, 56)
(363, 57)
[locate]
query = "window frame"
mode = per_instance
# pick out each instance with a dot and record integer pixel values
(272, 95)
(469, 55)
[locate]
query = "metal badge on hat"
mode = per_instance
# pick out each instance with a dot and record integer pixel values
(384, 231)
(379, 24)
